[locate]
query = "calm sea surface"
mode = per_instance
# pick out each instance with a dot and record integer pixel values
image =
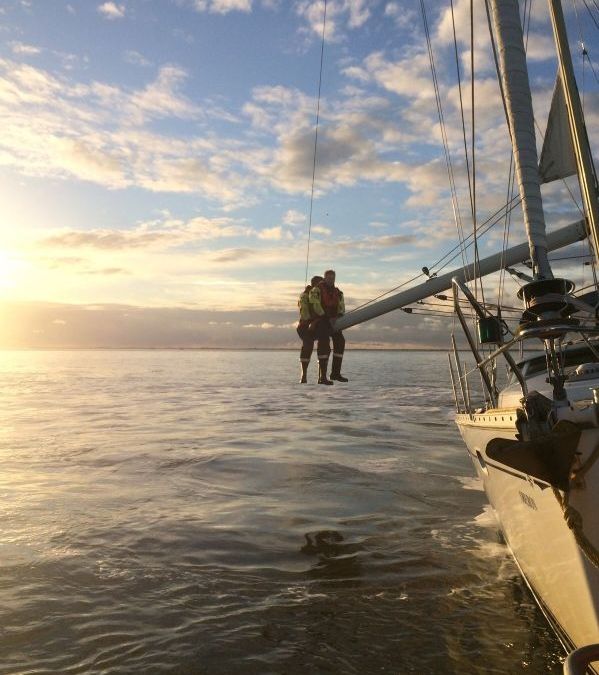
(201, 512)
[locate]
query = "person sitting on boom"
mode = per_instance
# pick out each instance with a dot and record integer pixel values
(307, 336)
(328, 303)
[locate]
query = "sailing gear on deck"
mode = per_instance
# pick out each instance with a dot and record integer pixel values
(322, 371)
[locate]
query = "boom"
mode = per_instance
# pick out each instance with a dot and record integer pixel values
(517, 254)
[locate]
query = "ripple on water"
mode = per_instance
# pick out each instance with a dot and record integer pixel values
(160, 518)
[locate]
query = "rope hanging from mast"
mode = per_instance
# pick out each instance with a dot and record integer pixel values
(324, 25)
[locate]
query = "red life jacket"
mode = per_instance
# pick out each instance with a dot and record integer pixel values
(329, 299)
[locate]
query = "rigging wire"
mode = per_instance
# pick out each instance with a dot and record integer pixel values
(572, 257)
(484, 228)
(581, 41)
(446, 259)
(506, 233)
(473, 151)
(444, 136)
(324, 24)
(584, 53)
(588, 57)
(467, 159)
(591, 13)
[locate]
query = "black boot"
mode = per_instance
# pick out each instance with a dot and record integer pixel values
(322, 372)
(336, 369)
(304, 365)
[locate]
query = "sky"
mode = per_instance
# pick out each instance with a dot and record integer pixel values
(156, 163)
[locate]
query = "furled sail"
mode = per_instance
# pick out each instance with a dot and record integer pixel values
(518, 100)
(557, 156)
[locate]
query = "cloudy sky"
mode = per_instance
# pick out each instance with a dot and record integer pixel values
(156, 163)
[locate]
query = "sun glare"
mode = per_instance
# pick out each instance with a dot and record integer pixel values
(11, 268)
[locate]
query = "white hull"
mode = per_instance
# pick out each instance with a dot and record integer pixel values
(564, 581)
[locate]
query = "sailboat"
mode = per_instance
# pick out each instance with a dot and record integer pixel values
(535, 441)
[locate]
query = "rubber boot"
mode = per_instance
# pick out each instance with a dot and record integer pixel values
(336, 369)
(304, 365)
(322, 371)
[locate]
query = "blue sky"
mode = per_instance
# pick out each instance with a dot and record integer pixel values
(156, 161)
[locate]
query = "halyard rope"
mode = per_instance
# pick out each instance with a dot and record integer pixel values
(324, 25)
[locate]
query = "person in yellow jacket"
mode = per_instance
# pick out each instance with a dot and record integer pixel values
(328, 303)
(307, 329)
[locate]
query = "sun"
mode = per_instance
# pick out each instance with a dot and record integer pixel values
(11, 272)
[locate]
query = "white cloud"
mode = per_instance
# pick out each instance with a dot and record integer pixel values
(294, 218)
(135, 58)
(111, 10)
(161, 97)
(340, 14)
(158, 235)
(98, 132)
(271, 233)
(403, 16)
(410, 76)
(223, 6)
(21, 49)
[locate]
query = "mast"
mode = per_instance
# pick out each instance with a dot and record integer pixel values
(518, 100)
(580, 142)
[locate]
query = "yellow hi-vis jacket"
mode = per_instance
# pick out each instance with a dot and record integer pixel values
(317, 305)
(303, 304)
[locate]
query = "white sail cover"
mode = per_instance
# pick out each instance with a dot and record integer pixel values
(557, 157)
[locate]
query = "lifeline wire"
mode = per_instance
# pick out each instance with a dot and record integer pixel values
(324, 24)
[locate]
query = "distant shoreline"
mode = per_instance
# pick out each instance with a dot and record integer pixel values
(222, 349)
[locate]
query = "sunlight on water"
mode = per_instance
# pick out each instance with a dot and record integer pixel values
(200, 512)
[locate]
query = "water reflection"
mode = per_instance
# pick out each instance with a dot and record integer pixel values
(167, 520)
(338, 560)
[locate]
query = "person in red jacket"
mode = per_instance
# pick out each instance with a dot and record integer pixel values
(327, 301)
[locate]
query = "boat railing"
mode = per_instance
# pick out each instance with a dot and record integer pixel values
(459, 376)
(579, 661)
(547, 331)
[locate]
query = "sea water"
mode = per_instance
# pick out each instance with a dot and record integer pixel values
(202, 512)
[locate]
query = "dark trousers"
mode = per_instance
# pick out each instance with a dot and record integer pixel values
(338, 344)
(320, 330)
